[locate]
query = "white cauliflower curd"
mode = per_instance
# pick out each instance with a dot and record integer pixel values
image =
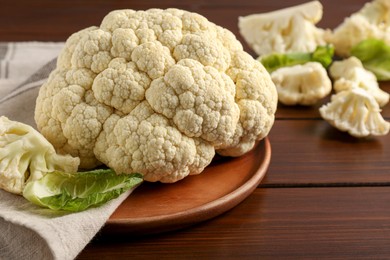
(350, 73)
(302, 84)
(286, 30)
(155, 92)
(372, 21)
(356, 112)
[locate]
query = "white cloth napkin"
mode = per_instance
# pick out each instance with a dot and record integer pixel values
(27, 231)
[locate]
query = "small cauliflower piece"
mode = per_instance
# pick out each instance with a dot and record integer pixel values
(25, 155)
(350, 73)
(356, 112)
(302, 84)
(372, 21)
(287, 30)
(157, 92)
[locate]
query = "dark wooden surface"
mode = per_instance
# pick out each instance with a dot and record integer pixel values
(326, 194)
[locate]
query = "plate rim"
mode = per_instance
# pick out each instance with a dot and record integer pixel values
(218, 206)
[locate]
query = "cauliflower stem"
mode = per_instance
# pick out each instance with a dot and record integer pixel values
(25, 155)
(291, 29)
(356, 112)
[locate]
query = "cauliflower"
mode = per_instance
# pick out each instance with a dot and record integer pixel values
(372, 21)
(302, 84)
(350, 73)
(287, 30)
(25, 155)
(356, 112)
(156, 92)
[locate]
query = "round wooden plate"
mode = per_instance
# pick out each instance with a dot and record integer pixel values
(157, 207)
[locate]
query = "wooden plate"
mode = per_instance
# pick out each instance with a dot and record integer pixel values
(157, 207)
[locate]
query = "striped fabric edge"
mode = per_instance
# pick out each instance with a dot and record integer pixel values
(35, 80)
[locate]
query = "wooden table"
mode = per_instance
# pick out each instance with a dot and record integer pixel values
(326, 194)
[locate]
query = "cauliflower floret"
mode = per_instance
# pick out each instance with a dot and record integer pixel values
(372, 21)
(121, 85)
(198, 99)
(92, 51)
(287, 30)
(356, 112)
(65, 57)
(257, 103)
(302, 84)
(152, 146)
(205, 48)
(350, 73)
(69, 115)
(156, 92)
(25, 155)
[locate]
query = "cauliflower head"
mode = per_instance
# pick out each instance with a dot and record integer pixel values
(356, 112)
(286, 30)
(372, 21)
(25, 155)
(350, 73)
(302, 84)
(156, 92)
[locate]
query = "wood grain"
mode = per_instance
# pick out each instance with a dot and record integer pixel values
(311, 152)
(55, 20)
(288, 223)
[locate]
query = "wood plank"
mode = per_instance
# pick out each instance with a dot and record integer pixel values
(313, 152)
(290, 223)
(55, 20)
